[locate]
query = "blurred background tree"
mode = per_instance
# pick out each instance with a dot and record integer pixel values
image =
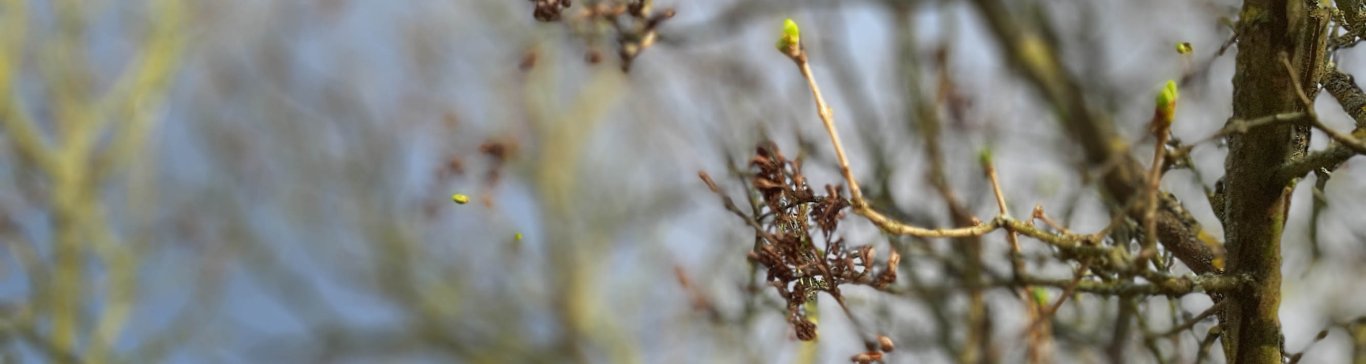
(270, 181)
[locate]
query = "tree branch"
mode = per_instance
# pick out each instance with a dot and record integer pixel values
(1353, 101)
(1095, 132)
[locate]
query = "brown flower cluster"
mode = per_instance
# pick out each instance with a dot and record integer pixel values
(792, 216)
(634, 23)
(549, 10)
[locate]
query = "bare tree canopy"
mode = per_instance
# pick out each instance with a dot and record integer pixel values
(623, 181)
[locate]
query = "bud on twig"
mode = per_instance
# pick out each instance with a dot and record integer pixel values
(1165, 110)
(885, 344)
(790, 42)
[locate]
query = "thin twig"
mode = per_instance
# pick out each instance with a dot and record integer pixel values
(1150, 196)
(1047, 314)
(1353, 102)
(800, 57)
(1346, 140)
(1037, 334)
(1213, 309)
(1239, 126)
(1039, 214)
(1171, 286)
(1174, 286)
(1017, 265)
(827, 117)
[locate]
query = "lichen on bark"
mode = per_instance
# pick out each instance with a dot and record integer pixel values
(1255, 207)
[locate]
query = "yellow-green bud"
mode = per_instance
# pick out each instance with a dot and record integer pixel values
(1166, 105)
(460, 198)
(1040, 296)
(791, 37)
(1184, 48)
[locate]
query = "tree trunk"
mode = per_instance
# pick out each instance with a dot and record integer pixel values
(1269, 31)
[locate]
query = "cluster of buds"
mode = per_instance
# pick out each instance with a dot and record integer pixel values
(875, 352)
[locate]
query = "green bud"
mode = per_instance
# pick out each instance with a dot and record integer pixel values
(791, 36)
(1166, 104)
(984, 157)
(1040, 296)
(1184, 48)
(460, 198)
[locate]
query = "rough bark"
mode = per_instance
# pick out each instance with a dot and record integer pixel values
(1256, 202)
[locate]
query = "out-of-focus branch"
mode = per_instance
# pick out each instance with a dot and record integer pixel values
(132, 103)
(730, 20)
(1190, 323)
(122, 265)
(1039, 335)
(1174, 286)
(23, 134)
(81, 122)
(1101, 144)
(72, 192)
(977, 343)
(562, 137)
